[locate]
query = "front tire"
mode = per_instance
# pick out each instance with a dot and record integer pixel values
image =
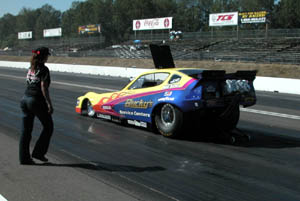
(89, 107)
(169, 120)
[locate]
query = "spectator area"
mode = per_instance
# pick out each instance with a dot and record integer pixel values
(260, 50)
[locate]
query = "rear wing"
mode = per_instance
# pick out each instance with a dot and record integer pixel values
(242, 75)
(221, 75)
(162, 56)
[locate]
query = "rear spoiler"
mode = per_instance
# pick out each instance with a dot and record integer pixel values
(221, 75)
(162, 56)
(213, 74)
(242, 75)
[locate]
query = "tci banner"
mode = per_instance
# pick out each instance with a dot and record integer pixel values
(253, 17)
(223, 19)
(150, 24)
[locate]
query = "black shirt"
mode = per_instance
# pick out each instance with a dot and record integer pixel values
(34, 79)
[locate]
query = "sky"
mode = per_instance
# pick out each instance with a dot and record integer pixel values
(14, 6)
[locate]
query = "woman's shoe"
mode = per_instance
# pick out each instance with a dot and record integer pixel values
(27, 162)
(41, 158)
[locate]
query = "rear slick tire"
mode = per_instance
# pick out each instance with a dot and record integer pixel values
(232, 120)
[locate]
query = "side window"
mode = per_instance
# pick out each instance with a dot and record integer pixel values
(149, 80)
(175, 78)
(138, 83)
(161, 77)
(143, 82)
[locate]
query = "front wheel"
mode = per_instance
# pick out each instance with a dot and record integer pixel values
(90, 110)
(169, 120)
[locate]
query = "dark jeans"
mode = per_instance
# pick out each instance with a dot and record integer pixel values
(31, 107)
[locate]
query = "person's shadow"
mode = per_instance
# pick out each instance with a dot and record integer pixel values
(100, 166)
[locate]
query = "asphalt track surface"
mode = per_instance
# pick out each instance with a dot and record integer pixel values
(92, 159)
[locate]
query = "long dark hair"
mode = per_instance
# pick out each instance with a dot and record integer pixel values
(38, 57)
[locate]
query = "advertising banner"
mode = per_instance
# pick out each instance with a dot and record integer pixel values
(89, 29)
(25, 35)
(52, 32)
(223, 19)
(253, 17)
(151, 24)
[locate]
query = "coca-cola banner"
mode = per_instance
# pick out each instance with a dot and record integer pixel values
(150, 24)
(223, 19)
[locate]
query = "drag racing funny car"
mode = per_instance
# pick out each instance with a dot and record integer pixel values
(168, 98)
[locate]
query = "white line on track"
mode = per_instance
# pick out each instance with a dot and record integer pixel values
(275, 114)
(110, 90)
(64, 83)
(2, 198)
(83, 86)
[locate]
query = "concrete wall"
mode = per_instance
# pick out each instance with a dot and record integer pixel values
(281, 85)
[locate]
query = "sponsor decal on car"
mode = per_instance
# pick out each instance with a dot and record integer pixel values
(166, 99)
(137, 123)
(134, 113)
(130, 103)
(106, 107)
(142, 114)
(171, 86)
(103, 116)
(126, 112)
(175, 80)
(168, 93)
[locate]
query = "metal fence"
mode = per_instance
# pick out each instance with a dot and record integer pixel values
(262, 46)
(217, 34)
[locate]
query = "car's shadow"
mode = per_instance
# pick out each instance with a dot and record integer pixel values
(269, 140)
(257, 138)
(210, 132)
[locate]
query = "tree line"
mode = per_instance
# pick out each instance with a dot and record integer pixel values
(116, 16)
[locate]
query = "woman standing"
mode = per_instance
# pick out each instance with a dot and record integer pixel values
(36, 102)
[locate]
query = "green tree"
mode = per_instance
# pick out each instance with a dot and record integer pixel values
(185, 16)
(104, 14)
(255, 5)
(47, 18)
(8, 33)
(26, 20)
(125, 11)
(164, 8)
(116, 16)
(69, 20)
(288, 13)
